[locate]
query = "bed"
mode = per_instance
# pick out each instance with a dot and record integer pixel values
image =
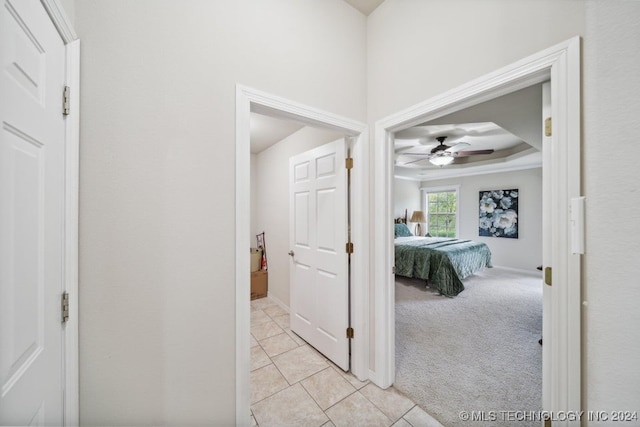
(443, 262)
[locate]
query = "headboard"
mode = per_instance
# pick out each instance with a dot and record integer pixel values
(401, 220)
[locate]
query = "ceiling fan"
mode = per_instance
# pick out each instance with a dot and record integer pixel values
(443, 155)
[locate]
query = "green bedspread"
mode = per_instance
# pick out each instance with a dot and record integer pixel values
(443, 262)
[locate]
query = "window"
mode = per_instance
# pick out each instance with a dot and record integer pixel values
(442, 212)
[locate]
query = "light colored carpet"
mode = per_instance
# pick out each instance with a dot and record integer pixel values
(478, 351)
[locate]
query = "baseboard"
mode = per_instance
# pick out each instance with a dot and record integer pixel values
(534, 272)
(279, 302)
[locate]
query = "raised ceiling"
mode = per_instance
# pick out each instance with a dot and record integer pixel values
(510, 125)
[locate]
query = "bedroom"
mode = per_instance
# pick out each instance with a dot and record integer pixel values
(491, 328)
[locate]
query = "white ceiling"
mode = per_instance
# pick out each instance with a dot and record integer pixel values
(266, 131)
(511, 125)
(365, 6)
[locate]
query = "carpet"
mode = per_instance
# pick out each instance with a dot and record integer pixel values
(478, 351)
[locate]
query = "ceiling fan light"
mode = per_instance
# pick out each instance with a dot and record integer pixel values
(441, 160)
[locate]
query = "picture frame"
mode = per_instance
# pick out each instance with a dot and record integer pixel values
(498, 213)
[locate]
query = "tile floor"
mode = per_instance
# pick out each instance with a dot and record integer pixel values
(294, 385)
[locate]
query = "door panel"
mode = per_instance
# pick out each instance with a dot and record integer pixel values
(31, 215)
(319, 266)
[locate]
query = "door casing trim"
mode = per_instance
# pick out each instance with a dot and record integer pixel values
(70, 355)
(561, 65)
(250, 100)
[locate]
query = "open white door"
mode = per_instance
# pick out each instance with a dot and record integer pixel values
(32, 197)
(319, 262)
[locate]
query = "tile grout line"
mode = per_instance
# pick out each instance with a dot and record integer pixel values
(330, 365)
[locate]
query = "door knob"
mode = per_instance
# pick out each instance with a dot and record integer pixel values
(291, 253)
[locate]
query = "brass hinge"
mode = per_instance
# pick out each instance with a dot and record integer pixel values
(547, 421)
(349, 248)
(547, 127)
(350, 332)
(547, 276)
(65, 307)
(348, 163)
(66, 96)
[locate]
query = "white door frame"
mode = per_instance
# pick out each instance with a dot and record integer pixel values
(561, 65)
(72, 165)
(251, 100)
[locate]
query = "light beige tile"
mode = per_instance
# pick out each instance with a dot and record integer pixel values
(327, 387)
(262, 303)
(356, 410)
(275, 310)
(283, 321)
(266, 382)
(258, 317)
(419, 418)
(290, 407)
(278, 344)
(391, 402)
(355, 382)
(401, 423)
(265, 330)
(299, 363)
(253, 421)
(253, 341)
(258, 358)
(328, 424)
(295, 337)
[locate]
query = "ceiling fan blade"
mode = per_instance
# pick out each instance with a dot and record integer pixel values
(472, 153)
(459, 146)
(416, 154)
(415, 161)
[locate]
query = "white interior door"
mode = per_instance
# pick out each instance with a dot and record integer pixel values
(319, 262)
(32, 165)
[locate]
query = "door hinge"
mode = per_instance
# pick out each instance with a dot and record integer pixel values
(350, 332)
(66, 96)
(547, 276)
(65, 307)
(348, 163)
(547, 127)
(547, 421)
(349, 248)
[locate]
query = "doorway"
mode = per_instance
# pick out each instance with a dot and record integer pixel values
(483, 342)
(561, 183)
(250, 100)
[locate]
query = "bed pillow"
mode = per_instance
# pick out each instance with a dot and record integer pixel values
(402, 230)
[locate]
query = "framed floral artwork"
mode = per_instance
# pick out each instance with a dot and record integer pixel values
(499, 213)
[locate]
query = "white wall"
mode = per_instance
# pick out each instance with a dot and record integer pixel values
(406, 195)
(525, 252)
(157, 194)
(418, 49)
(611, 286)
(271, 198)
(69, 7)
(253, 229)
